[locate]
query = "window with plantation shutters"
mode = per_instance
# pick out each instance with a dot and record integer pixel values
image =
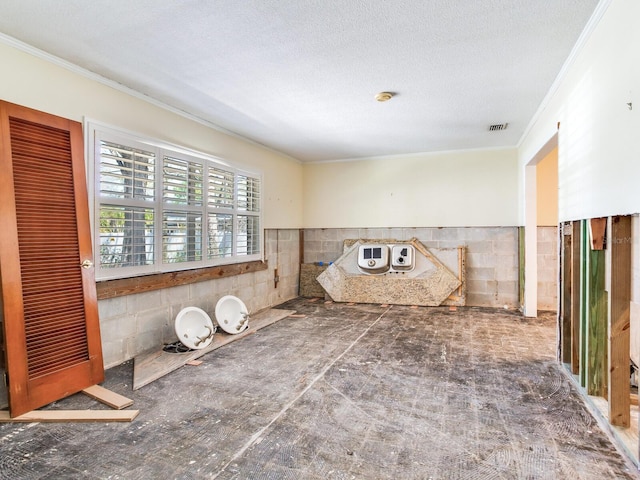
(163, 208)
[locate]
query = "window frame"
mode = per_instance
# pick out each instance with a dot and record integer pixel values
(97, 132)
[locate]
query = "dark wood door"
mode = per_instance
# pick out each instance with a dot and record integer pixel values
(51, 326)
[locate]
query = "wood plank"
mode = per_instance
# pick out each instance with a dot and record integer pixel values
(146, 283)
(521, 261)
(68, 416)
(584, 301)
(156, 363)
(575, 298)
(634, 317)
(597, 378)
(565, 293)
(619, 321)
(112, 399)
(597, 232)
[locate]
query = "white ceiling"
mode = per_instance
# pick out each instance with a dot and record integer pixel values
(299, 76)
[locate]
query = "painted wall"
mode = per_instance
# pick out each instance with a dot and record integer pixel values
(547, 190)
(599, 145)
(464, 188)
(36, 83)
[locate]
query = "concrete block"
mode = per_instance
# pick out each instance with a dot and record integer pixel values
(175, 294)
(505, 247)
(482, 300)
(547, 234)
(332, 248)
(150, 321)
(110, 328)
(507, 261)
(372, 233)
(475, 260)
(112, 307)
(481, 273)
(397, 234)
(508, 288)
(477, 286)
(547, 248)
(113, 352)
(449, 243)
(144, 301)
(504, 234)
(475, 234)
(506, 274)
(478, 246)
(445, 233)
(147, 341)
(261, 290)
(423, 234)
(327, 234)
(246, 280)
(288, 235)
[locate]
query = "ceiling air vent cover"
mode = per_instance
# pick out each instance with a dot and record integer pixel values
(498, 126)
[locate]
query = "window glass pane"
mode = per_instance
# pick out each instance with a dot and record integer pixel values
(181, 237)
(220, 235)
(126, 172)
(248, 194)
(182, 182)
(126, 236)
(248, 240)
(220, 190)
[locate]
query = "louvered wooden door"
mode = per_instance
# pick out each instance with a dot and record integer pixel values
(52, 333)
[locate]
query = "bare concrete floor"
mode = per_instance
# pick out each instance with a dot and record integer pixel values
(347, 392)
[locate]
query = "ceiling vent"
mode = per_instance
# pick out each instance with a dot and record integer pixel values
(498, 126)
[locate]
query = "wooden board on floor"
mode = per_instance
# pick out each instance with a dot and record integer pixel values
(112, 399)
(64, 416)
(155, 364)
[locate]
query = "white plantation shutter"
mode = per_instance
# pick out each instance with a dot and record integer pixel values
(126, 172)
(248, 194)
(182, 181)
(220, 188)
(161, 208)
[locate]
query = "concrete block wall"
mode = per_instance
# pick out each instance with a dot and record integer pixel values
(548, 268)
(492, 255)
(135, 323)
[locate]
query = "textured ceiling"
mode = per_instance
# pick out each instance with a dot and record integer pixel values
(300, 76)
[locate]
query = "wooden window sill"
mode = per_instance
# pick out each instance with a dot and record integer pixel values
(147, 283)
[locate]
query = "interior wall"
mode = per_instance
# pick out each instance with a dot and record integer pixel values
(547, 230)
(450, 189)
(34, 82)
(599, 145)
(547, 190)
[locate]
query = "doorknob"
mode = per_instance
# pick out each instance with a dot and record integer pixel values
(87, 264)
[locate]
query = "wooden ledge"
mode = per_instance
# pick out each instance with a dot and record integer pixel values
(147, 283)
